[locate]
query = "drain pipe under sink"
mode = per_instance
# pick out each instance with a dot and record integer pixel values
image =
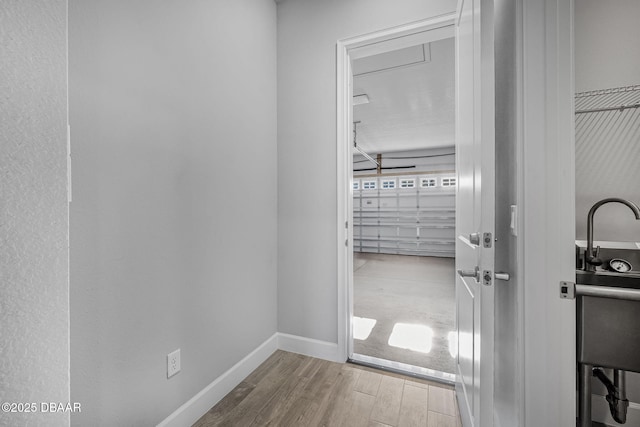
(616, 393)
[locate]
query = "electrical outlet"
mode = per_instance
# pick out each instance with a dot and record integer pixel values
(173, 363)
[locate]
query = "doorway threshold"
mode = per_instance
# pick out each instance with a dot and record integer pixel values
(403, 368)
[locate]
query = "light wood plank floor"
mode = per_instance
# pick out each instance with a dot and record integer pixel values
(293, 390)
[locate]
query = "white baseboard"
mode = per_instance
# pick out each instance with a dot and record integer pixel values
(600, 412)
(199, 404)
(309, 347)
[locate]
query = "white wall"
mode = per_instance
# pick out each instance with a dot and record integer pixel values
(174, 214)
(34, 280)
(307, 34)
(607, 52)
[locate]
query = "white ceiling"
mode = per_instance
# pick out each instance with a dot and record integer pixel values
(410, 106)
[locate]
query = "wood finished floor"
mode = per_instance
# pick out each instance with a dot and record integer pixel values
(293, 390)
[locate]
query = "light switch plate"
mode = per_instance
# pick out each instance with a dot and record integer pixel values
(514, 220)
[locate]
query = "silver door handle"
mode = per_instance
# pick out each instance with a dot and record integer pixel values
(499, 275)
(474, 239)
(470, 273)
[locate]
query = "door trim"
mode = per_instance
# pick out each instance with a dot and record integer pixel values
(547, 200)
(344, 158)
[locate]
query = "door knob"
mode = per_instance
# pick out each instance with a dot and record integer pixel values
(502, 276)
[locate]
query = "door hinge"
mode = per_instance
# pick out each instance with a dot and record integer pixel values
(487, 240)
(69, 177)
(346, 242)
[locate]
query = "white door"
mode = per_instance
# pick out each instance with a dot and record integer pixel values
(475, 212)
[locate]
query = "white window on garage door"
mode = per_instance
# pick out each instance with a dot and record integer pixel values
(369, 185)
(448, 182)
(388, 184)
(428, 182)
(407, 183)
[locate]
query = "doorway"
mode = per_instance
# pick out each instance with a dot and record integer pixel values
(398, 195)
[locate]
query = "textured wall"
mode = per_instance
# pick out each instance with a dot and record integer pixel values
(174, 214)
(607, 52)
(34, 289)
(307, 260)
(607, 158)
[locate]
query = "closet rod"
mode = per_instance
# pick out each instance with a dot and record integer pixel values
(619, 108)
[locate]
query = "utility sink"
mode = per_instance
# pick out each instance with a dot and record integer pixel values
(609, 327)
(629, 280)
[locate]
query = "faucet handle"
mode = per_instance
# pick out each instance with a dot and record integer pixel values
(594, 259)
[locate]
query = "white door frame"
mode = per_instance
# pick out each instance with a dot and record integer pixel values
(546, 197)
(348, 49)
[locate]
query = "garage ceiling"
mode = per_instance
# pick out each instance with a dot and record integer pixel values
(411, 98)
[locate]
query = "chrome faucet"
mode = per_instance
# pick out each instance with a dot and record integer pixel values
(591, 259)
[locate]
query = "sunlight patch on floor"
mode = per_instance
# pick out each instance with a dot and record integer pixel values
(412, 337)
(362, 327)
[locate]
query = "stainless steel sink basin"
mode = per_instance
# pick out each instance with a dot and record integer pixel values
(609, 326)
(607, 254)
(608, 278)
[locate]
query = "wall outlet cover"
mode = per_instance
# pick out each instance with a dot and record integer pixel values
(173, 363)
